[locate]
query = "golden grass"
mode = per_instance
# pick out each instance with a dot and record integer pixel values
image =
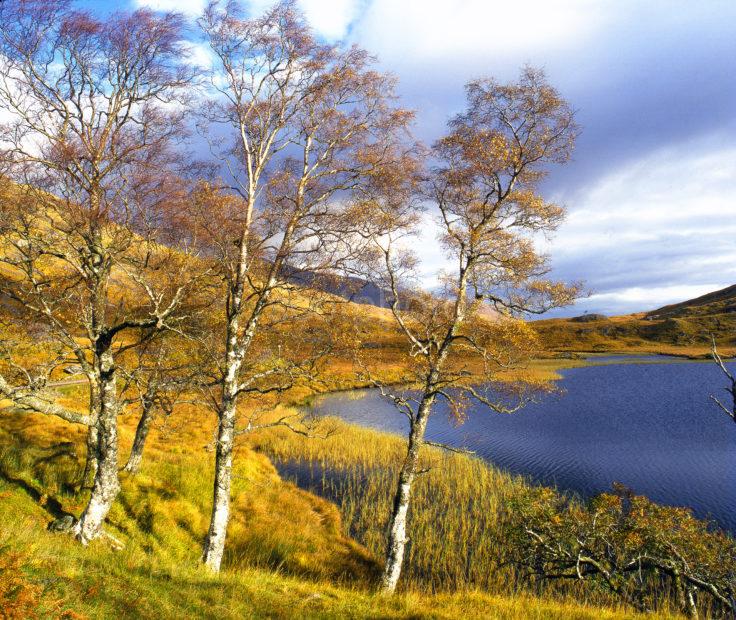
(98, 583)
(288, 554)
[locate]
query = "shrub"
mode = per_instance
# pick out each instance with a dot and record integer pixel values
(646, 554)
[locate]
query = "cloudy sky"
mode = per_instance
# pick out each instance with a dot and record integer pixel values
(651, 193)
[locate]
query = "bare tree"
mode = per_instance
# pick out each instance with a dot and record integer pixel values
(311, 129)
(93, 111)
(730, 410)
(485, 187)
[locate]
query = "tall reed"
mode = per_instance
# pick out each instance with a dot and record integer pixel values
(455, 525)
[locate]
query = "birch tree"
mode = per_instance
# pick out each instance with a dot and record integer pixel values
(91, 112)
(484, 186)
(310, 131)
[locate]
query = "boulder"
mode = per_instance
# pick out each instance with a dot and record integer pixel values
(62, 524)
(586, 318)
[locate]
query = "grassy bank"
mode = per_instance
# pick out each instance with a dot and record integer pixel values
(62, 580)
(288, 553)
(457, 525)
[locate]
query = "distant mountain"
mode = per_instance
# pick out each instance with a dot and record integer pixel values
(351, 288)
(684, 328)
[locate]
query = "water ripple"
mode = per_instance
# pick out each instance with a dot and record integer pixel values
(650, 426)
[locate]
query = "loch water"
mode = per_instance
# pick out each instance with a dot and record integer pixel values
(650, 426)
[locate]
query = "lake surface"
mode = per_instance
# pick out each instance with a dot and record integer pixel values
(650, 426)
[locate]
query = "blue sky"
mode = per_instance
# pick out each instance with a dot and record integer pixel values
(651, 193)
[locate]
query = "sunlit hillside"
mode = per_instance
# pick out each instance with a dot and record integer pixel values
(685, 328)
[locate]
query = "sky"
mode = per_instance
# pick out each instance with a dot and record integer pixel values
(651, 192)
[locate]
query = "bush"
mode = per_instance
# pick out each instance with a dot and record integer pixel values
(646, 554)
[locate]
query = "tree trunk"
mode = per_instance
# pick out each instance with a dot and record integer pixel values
(106, 484)
(236, 348)
(90, 464)
(692, 607)
(397, 526)
(139, 443)
(214, 545)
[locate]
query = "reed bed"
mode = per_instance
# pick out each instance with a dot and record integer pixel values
(455, 523)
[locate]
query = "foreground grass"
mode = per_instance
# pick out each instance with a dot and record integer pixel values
(288, 554)
(98, 583)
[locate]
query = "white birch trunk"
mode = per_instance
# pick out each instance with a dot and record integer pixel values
(214, 546)
(90, 463)
(139, 442)
(106, 483)
(397, 538)
(236, 348)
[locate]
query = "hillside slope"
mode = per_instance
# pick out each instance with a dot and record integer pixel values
(287, 554)
(684, 328)
(715, 303)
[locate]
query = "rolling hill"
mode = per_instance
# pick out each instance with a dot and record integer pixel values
(683, 328)
(711, 304)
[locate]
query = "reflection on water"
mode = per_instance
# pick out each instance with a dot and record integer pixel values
(649, 426)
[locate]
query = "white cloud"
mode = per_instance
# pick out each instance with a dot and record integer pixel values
(655, 231)
(200, 55)
(650, 298)
(331, 19)
(685, 188)
(474, 30)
